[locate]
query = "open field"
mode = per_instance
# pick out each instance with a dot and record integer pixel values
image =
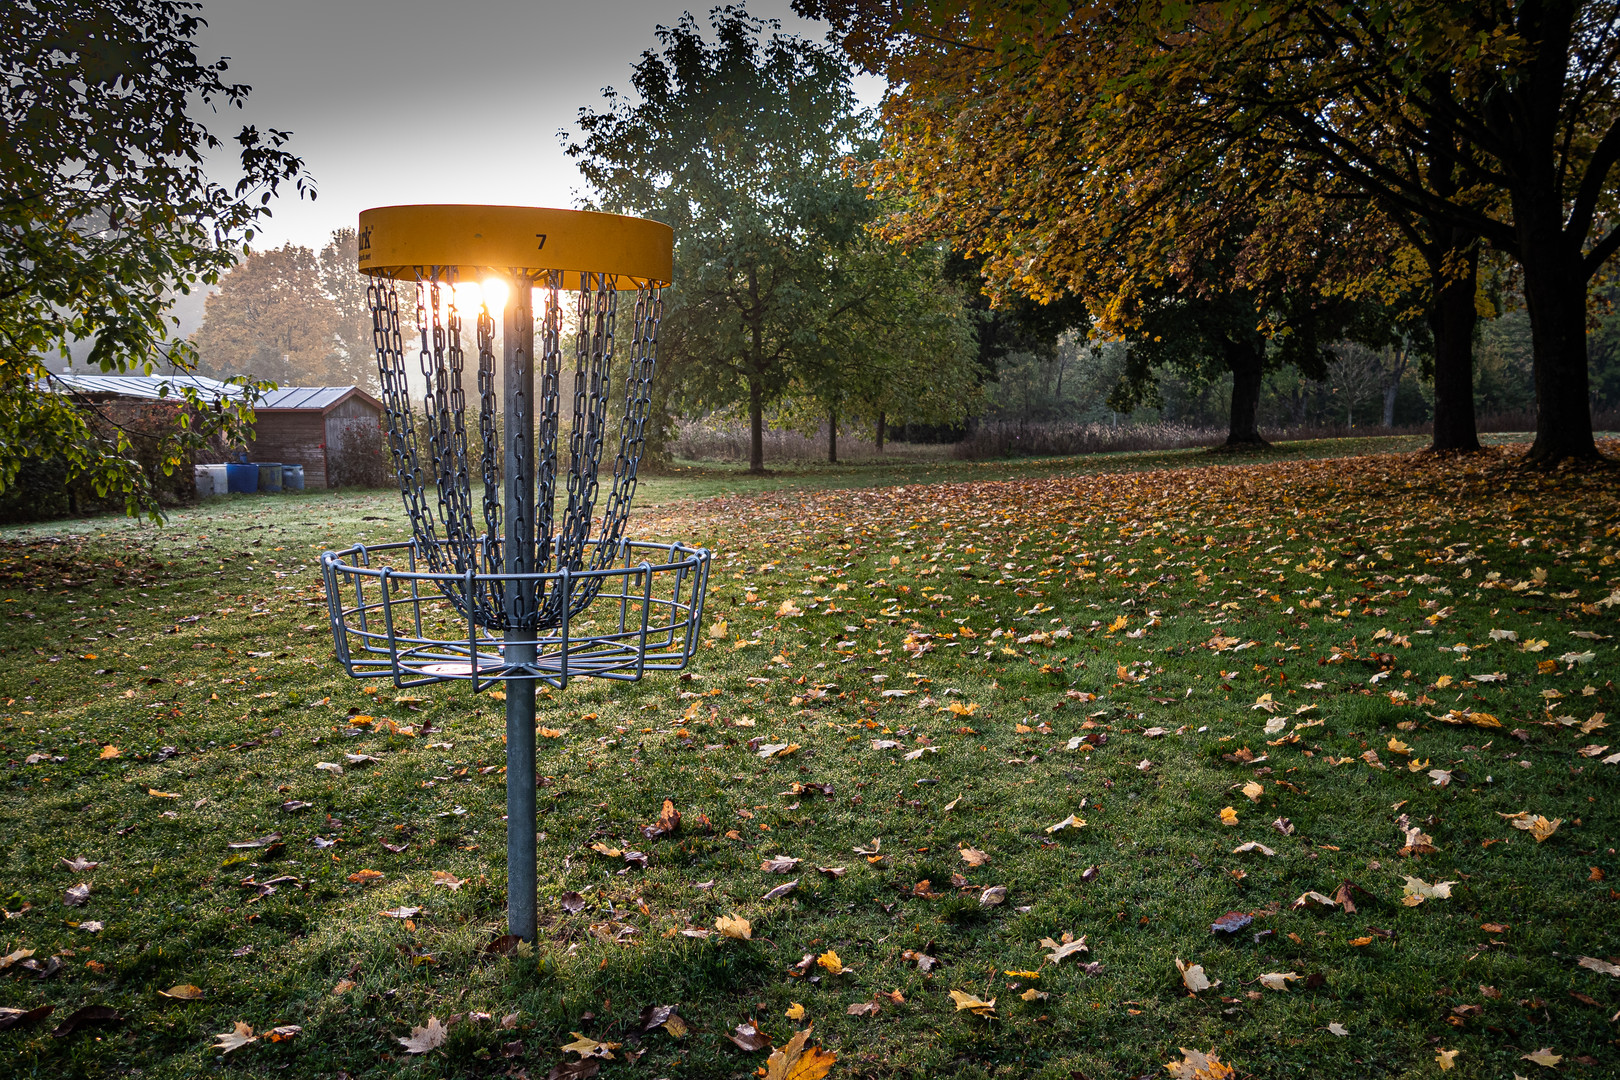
(1367, 666)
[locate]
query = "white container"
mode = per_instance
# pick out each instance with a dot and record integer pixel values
(210, 480)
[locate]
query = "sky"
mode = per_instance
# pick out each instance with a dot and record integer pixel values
(410, 101)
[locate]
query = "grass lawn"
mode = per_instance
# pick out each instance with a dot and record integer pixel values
(1380, 669)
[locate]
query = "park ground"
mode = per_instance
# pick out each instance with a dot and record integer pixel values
(1345, 699)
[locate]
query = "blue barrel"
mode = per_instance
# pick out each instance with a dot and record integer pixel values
(241, 479)
(269, 476)
(292, 477)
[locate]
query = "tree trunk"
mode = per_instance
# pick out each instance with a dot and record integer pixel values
(756, 425)
(1246, 359)
(882, 418)
(1451, 320)
(1390, 393)
(832, 436)
(1555, 298)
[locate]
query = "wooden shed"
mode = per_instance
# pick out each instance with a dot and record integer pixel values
(308, 425)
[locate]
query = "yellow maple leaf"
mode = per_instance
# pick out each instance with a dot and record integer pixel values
(587, 1047)
(1228, 816)
(1199, 1066)
(795, 1061)
(1446, 1059)
(717, 630)
(1544, 1057)
(795, 1011)
(830, 961)
(111, 751)
(1253, 791)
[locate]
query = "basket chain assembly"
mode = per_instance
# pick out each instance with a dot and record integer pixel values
(447, 534)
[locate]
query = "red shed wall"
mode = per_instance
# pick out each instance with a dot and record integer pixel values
(292, 438)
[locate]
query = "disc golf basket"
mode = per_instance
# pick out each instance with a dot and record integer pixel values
(526, 576)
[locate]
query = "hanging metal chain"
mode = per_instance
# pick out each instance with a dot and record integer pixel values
(444, 464)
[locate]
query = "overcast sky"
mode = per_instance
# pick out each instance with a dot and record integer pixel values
(401, 101)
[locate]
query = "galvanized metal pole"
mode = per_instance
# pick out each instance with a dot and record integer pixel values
(517, 358)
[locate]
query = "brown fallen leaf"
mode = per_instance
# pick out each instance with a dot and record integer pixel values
(423, 1039)
(259, 842)
(781, 890)
(863, 1008)
(365, 877)
(344, 986)
(993, 895)
(109, 752)
(448, 880)
(923, 961)
(77, 896)
(79, 864)
(283, 1033)
(1602, 967)
(748, 1037)
(781, 864)
(833, 871)
(1446, 1059)
(1545, 1058)
(795, 1061)
(974, 857)
(1416, 891)
(10, 1018)
(13, 957)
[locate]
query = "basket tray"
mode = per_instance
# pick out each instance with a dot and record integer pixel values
(391, 620)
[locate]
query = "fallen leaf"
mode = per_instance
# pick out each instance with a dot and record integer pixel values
(1199, 1066)
(365, 877)
(749, 1037)
(1193, 977)
(973, 856)
(1544, 1057)
(1278, 980)
(1252, 845)
(1253, 791)
(1602, 967)
(79, 864)
(993, 895)
(344, 986)
(110, 751)
(1231, 922)
(973, 1004)
(10, 1018)
(733, 927)
(1068, 947)
(402, 913)
(830, 961)
(1446, 1059)
(1537, 826)
(448, 880)
(77, 896)
(1416, 891)
(239, 1036)
(1070, 822)
(923, 961)
(862, 1008)
(781, 864)
(1228, 816)
(336, 770)
(583, 1045)
(258, 842)
(795, 1011)
(781, 890)
(795, 1061)
(1337, 1028)
(156, 794)
(183, 992)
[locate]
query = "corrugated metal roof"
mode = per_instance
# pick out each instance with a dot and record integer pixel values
(154, 387)
(303, 397)
(312, 398)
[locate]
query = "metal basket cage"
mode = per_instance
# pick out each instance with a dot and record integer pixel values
(392, 620)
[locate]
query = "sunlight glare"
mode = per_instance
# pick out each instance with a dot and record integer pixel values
(495, 293)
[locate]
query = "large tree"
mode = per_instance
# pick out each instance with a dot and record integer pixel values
(272, 320)
(1466, 121)
(738, 144)
(105, 211)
